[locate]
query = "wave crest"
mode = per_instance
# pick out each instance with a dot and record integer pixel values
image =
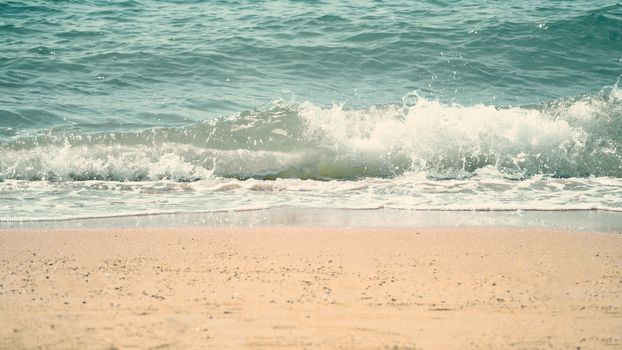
(577, 137)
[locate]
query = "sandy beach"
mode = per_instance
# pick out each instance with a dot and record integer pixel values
(314, 288)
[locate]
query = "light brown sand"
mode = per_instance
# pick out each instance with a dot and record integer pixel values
(310, 288)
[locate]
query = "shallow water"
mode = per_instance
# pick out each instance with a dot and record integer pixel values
(134, 107)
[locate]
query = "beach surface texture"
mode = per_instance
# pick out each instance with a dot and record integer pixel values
(314, 288)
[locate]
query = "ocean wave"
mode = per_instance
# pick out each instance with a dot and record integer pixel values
(577, 137)
(485, 191)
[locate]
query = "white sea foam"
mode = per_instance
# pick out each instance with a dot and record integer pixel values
(70, 199)
(422, 155)
(577, 138)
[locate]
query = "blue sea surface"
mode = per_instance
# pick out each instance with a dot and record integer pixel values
(143, 107)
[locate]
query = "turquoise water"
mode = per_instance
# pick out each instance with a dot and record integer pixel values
(133, 107)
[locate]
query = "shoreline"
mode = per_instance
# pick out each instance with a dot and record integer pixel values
(306, 287)
(573, 220)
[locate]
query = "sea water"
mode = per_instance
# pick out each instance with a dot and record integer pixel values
(140, 107)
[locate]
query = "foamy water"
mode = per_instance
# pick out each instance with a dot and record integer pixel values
(130, 108)
(423, 155)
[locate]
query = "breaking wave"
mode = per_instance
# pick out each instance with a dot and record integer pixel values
(576, 137)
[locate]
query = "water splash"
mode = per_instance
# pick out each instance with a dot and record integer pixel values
(578, 137)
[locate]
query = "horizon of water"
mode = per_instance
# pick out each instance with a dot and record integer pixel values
(132, 108)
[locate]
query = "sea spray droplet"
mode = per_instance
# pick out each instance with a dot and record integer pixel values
(410, 99)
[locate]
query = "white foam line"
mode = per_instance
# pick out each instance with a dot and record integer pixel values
(5, 220)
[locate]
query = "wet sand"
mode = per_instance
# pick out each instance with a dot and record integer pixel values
(299, 288)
